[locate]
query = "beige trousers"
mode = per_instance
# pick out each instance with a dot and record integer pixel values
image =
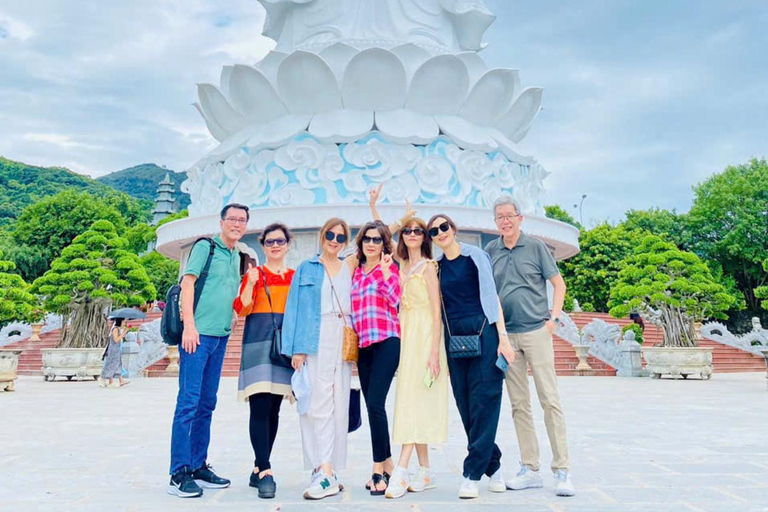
(535, 349)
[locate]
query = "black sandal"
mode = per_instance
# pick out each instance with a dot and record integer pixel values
(386, 477)
(376, 479)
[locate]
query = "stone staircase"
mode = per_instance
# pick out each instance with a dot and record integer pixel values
(726, 359)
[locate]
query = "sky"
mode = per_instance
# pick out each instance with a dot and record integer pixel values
(642, 99)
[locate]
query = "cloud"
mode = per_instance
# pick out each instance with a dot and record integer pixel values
(642, 99)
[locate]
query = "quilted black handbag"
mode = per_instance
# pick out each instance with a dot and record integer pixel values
(462, 346)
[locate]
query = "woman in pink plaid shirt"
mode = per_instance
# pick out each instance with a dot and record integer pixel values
(375, 296)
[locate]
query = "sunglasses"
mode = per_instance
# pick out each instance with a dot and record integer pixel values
(413, 231)
(376, 240)
(270, 242)
(445, 226)
(340, 237)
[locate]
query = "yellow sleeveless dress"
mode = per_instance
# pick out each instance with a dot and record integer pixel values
(421, 413)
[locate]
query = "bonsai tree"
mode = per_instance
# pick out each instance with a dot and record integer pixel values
(17, 304)
(635, 329)
(672, 288)
(94, 273)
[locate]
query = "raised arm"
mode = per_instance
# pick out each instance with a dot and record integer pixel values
(433, 289)
(373, 197)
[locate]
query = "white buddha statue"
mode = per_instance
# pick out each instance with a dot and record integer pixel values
(442, 26)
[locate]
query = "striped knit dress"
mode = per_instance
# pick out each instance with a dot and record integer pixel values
(257, 373)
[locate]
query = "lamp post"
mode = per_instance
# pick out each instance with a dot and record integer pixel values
(581, 203)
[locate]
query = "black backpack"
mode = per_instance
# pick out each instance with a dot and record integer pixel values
(171, 325)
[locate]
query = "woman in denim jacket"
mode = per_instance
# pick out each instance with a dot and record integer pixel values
(316, 311)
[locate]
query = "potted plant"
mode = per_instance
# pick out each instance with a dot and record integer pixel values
(92, 275)
(673, 289)
(17, 304)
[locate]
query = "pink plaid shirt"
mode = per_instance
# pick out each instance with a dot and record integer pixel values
(374, 305)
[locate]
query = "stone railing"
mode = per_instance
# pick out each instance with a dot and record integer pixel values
(605, 343)
(18, 331)
(753, 341)
(151, 349)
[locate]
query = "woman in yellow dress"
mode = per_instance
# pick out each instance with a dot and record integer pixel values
(421, 403)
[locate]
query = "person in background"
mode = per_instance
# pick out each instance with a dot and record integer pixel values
(522, 265)
(207, 327)
(317, 309)
(471, 307)
(113, 357)
(263, 382)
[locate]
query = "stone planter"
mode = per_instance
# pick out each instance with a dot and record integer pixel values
(582, 352)
(9, 365)
(678, 361)
(80, 363)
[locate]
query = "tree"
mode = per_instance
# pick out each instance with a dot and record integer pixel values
(558, 213)
(664, 223)
(591, 273)
(761, 292)
(729, 224)
(16, 303)
(671, 287)
(163, 272)
(139, 236)
(30, 262)
(93, 273)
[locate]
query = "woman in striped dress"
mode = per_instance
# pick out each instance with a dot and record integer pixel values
(264, 382)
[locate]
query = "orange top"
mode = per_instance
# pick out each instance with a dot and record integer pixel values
(279, 284)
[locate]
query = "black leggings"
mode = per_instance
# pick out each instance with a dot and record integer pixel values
(265, 413)
(376, 366)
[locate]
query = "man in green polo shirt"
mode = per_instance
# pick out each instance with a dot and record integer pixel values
(522, 265)
(207, 327)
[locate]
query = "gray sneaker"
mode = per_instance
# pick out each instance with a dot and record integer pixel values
(563, 485)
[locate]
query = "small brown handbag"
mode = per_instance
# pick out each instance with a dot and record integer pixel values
(350, 346)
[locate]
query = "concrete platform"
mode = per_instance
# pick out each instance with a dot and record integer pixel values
(636, 444)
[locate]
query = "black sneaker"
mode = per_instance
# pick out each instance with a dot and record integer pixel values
(183, 485)
(267, 487)
(253, 481)
(205, 477)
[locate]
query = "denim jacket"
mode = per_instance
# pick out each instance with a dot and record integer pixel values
(301, 320)
(488, 296)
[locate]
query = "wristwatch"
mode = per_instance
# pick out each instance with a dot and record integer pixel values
(556, 320)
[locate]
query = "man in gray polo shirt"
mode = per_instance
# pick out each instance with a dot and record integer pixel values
(522, 265)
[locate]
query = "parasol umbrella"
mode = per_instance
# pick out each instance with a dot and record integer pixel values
(127, 314)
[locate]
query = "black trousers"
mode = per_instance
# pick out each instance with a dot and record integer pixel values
(477, 388)
(376, 366)
(262, 427)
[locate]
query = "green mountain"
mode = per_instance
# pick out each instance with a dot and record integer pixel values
(22, 184)
(141, 182)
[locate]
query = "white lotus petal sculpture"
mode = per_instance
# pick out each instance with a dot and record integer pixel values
(359, 94)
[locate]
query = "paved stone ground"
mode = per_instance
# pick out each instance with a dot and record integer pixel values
(636, 444)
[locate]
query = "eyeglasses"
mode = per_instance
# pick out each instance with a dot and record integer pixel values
(445, 226)
(413, 231)
(502, 218)
(340, 237)
(376, 240)
(236, 220)
(270, 242)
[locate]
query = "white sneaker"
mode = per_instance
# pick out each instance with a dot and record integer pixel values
(398, 483)
(526, 478)
(497, 482)
(563, 485)
(468, 489)
(102, 383)
(321, 487)
(423, 480)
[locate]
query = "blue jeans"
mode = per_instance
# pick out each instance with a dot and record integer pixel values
(199, 376)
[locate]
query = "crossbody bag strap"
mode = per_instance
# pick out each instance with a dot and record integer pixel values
(269, 296)
(200, 283)
(333, 290)
(442, 304)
